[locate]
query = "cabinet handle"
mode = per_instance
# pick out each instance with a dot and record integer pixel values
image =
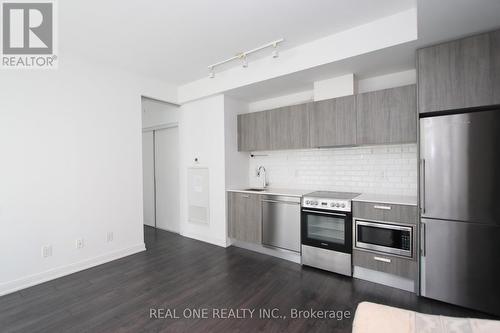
(382, 259)
(245, 196)
(382, 207)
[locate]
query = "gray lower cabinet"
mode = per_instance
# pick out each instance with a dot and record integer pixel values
(333, 122)
(289, 127)
(253, 131)
(244, 212)
(387, 116)
(459, 74)
(387, 213)
(384, 263)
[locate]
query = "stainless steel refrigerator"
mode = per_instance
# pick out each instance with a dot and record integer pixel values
(460, 209)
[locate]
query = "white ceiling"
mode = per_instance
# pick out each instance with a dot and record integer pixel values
(175, 40)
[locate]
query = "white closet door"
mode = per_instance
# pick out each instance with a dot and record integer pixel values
(167, 178)
(148, 178)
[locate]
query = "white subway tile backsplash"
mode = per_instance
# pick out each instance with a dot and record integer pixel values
(388, 169)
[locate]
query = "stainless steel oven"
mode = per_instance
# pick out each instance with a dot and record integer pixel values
(326, 231)
(384, 237)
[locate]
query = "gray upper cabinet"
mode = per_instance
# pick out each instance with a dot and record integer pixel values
(333, 122)
(460, 74)
(380, 117)
(289, 127)
(253, 131)
(387, 116)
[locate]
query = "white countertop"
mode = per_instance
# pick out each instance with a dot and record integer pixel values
(275, 191)
(389, 199)
(365, 197)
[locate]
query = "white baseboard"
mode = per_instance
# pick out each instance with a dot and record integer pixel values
(203, 238)
(31, 280)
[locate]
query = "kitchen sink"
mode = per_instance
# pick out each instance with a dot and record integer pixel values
(255, 189)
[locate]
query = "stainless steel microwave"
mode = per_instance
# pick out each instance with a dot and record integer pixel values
(384, 237)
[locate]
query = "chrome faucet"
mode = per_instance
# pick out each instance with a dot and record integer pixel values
(261, 172)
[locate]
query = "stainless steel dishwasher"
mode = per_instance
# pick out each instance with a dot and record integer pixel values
(281, 222)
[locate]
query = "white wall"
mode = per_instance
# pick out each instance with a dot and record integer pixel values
(284, 100)
(71, 168)
(236, 162)
(201, 135)
(388, 169)
(334, 87)
(208, 131)
(386, 81)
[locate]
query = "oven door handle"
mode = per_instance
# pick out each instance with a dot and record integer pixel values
(323, 213)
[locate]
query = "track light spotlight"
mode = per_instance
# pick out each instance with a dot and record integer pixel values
(245, 62)
(275, 52)
(211, 73)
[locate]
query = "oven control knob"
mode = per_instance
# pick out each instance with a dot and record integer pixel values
(308, 202)
(342, 205)
(315, 203)
(332, 204)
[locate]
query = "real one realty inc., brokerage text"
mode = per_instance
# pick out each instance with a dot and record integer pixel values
(247, 313)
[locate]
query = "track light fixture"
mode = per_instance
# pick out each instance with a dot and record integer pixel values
(243, 56)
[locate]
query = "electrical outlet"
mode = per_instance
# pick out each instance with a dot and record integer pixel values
(79, 243)
(46, 251)
(110, 236)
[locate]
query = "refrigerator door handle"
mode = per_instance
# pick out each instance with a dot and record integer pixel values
(422, 186)
(422, 239)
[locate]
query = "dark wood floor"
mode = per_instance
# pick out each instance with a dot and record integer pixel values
(180, 273)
